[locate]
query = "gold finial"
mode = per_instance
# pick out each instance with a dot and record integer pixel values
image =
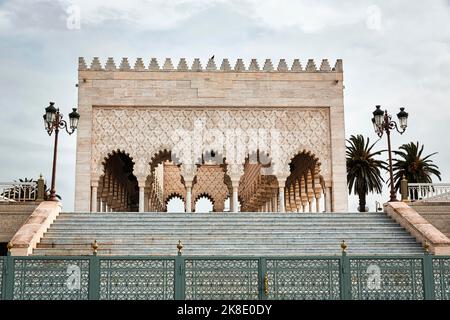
(9, 246)
(179, 246)
(343, 246)
(426, 246)
(94, 246)
(403, 177)
(266, 283)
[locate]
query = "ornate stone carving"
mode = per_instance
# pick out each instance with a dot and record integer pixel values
(172, 182)
(189, 132)
(210, 182)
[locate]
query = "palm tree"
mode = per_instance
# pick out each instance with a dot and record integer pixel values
(413, 166)
(363, 170)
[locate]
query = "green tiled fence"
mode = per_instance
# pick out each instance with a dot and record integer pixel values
(186, 277)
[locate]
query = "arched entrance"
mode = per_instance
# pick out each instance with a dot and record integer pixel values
(258, 186)
(159, 187)
(118, 188)
(304, 186)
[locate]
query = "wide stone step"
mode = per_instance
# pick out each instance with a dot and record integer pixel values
(223, 212)
(225, 237)
(219, 216)
(197, 229)
(176, 223)
(145, 221)
(211, 240)
(306, 233)
(223, 221)
(206, 216)
(229, 252)
(237, 246)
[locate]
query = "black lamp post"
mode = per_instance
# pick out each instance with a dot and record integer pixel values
(382, 122)
(53, 121)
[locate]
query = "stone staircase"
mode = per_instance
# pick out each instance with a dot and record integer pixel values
(218, 234)
(436, 213)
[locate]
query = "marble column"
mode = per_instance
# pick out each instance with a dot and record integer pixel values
(188, 204)
(327, 199)
(141, 184)
(281, 199)
(146, 199)
(94, 196)
(235, 185)
(275, 203)
(231, 201)
(188, 199)
(281, 183)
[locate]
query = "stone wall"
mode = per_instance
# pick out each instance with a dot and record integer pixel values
(13, 216)
(437, 213)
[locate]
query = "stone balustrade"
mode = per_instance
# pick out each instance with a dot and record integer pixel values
(429, 191)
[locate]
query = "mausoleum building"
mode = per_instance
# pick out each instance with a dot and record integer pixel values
(269, 137)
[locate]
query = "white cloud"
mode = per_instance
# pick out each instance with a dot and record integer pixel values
(5, 22)
(307, 15)
(140, 14)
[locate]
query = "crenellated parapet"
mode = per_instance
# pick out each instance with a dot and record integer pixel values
(210, 66)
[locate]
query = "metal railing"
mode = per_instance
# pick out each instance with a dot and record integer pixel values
(191, 277)
(18, 191)
(429, 191)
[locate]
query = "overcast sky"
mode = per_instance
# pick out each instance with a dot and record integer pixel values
(396, 53)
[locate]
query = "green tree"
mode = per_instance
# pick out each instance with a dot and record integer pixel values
(411, 164)
(363, 170)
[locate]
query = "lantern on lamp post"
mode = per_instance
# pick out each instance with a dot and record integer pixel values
(382, 122)
(53, 122)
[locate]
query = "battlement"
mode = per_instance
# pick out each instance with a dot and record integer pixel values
(225, 66)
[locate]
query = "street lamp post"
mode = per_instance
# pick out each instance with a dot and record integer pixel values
(53, 121)
(382, 122)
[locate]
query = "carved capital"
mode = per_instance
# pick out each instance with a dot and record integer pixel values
(235, 171)
(141, 181)
(188, 171)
